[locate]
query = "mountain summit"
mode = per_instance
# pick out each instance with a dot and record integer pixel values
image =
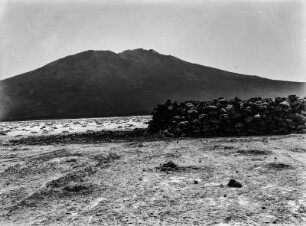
(103, 83)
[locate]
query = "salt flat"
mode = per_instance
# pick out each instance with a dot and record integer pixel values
(68, 126)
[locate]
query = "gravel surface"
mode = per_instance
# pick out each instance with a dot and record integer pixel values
(148, 181)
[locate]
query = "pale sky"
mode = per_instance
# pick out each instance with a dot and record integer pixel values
(256, 37)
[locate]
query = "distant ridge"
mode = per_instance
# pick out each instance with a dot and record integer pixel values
(103, 83)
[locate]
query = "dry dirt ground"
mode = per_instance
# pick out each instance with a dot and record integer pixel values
(119, 183)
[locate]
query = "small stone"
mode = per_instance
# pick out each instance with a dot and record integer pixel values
(196, 122)
(257, 116)
(211, 108)
(167, 133)
(177, 118)
(193, 113)
(234, 184)
(189, 105)
(169, 166)
(284, 104)
(182, 124)
(239, 125)
(202, 116)
(248, 120)
(293, 98)
(228, 218)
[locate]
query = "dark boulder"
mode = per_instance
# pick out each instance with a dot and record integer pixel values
(168, 166)
(234, 184)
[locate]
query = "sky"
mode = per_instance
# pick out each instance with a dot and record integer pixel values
(256, 37)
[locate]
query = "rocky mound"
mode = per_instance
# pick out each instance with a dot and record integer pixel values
(224, 117)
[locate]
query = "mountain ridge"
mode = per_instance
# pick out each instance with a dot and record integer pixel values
(149, 50)
(103, 83)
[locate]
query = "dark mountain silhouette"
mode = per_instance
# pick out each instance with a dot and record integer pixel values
(103, 83)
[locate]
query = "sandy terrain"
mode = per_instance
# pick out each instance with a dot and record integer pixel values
(121, 182)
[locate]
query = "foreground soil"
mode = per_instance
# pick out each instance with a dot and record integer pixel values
(121, 182)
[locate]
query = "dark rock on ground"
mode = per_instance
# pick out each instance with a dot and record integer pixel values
(169, 166)
(234, 184)
(76, 188)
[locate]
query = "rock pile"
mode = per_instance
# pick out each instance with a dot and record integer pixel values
(224, 117)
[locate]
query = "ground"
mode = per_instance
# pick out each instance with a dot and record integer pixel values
(122, 182)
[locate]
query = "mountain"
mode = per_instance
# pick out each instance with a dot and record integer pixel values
(103, 83)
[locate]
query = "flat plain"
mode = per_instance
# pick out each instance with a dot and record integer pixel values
(100, 182)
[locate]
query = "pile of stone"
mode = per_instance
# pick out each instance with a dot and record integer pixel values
(224, 117)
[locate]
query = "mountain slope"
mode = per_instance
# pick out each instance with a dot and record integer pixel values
(103, 83)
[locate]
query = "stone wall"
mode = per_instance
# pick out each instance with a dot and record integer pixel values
(223, 117)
